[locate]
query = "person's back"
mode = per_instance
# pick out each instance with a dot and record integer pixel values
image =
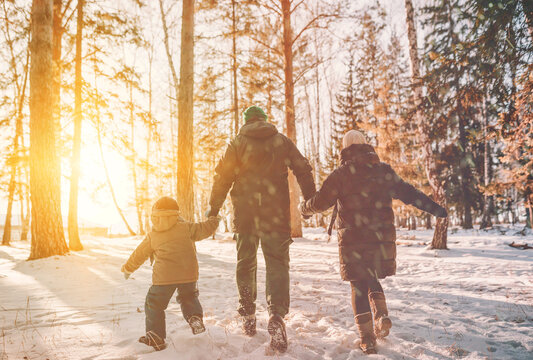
(255, 167)
(362, 189)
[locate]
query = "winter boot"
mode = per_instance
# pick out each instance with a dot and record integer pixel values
(366, 332)
(248, 325)
(278, 334)
(153, 340)
(382, 322)
(197, 325)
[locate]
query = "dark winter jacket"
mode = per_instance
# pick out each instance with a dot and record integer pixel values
(255, 167)
(363, 189)
(172, 245)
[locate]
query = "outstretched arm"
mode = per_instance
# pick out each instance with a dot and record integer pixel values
(411, 196)
(302, 170)
(138, 257)
(226, 172)
(204, 229)
(323, 199)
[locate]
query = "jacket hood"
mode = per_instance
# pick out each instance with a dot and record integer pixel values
(164, 219)
(258, 129)
(362, 154)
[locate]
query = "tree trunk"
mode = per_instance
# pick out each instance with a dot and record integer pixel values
(234, 69)
(466, 157)
(57, 43)
(6, 237)
(133, 160)
(26, 196)
(185, 188)
(290, 121)
(16, 164)
(428, 222)
(74, 242)
(486, 221)
(441, 228)
(47, 237)
(148, 144)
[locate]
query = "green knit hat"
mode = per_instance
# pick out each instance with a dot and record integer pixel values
(254, 112)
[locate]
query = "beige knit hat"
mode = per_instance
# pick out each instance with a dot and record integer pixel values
(353, 137)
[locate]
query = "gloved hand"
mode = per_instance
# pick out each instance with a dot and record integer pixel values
(441, 212)
(126, 273)
(300, 207)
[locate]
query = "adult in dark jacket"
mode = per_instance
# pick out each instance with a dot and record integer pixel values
(255, 167)
(362, 189)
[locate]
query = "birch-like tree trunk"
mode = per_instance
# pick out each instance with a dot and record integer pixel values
(73, 232)
(47, 236)
(440, 236)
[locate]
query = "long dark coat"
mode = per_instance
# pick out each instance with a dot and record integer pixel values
(255, 167)
(363, 189)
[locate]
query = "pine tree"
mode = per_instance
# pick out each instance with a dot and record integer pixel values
(47, 237)
(440, 235)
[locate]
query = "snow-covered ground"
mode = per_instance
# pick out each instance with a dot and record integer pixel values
(474, 301)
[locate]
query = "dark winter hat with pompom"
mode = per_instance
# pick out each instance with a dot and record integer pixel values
(166, 203)
(254, 113)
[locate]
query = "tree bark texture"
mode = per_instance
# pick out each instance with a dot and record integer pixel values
(185, 189)
(73, 232)
(47, 236)
(290, 121)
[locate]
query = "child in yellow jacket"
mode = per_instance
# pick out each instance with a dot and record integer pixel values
(172, 245)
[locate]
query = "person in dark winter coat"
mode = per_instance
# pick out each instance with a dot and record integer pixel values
(362, 189)
(255, 167)
(172, 245)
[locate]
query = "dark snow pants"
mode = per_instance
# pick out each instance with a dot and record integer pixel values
(276, 252)
(360, 292)
(157, 301)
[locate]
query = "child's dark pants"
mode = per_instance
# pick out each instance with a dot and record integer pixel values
(157, 301)
(360, 292)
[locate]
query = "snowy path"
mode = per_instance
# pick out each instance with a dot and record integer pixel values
(472, 302)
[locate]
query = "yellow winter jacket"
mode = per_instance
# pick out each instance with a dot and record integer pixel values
(171, 243)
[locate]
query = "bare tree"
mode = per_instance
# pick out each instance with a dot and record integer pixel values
(184, 88)
(19, 81)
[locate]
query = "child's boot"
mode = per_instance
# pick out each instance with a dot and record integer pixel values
(249, 325)
(153, 340)
(366, 332)
(382, 322)
(197, 324)
(278, 334)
